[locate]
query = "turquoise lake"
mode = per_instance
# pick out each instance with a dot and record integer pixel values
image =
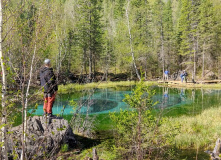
(175, 101)
(172, 102)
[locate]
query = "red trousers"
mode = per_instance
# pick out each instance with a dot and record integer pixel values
(48, 103)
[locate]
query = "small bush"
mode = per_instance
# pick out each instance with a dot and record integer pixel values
(64, 148)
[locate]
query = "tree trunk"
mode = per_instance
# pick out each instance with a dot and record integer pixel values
(4, 121)
(203, 61)
(145, 73)
(94, 68)
(219, 67)
(139, 153)
(84, 60)
(23, 105)
(90, 46)
(90, 64)
(162, 47)
(194, 60)
(131, 44)
(26, 100)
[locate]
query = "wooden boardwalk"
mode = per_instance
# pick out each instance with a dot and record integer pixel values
(190, 82)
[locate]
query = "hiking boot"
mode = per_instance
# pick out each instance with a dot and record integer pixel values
(50, 115)
(44, 114)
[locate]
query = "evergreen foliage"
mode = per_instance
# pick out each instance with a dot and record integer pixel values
(89, 36)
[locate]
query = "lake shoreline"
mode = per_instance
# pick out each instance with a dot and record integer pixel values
(193, 123)
(71, 87)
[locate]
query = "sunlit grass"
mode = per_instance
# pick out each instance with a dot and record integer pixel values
(74, 86)
(200, 131)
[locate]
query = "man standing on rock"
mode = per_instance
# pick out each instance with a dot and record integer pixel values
(48, 81)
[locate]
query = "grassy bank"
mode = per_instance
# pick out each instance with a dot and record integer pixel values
(197, 134)
(74, 86)
(200, 131)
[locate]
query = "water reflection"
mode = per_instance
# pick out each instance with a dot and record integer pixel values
(178, 100)
(170, 97)
(182, 94)
(165, 96)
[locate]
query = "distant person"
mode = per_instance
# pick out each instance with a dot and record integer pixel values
(181, 76)
(48, 81)
(184, 76)
(166, 75)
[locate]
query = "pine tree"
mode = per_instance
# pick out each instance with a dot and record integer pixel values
(141, 28)
(90, 31)
(188, 34)
(207, 28)
(159, 33)
(184, 29)
(168, 28)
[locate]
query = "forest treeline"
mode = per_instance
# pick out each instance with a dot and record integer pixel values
(113, 36)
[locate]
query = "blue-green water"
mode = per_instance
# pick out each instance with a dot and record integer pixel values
(172, 101)
(176, 101)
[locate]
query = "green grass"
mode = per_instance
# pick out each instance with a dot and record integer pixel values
(104, 122)
(197, 133)
(105, 150)
(200, 131)
(71, 87)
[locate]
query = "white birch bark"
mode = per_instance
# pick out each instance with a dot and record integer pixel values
(26, 104)
(131, 44)
(27, 94)
(3, 129)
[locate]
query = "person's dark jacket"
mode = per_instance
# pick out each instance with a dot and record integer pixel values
(48, 80)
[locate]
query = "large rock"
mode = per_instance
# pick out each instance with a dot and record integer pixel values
(44, 137)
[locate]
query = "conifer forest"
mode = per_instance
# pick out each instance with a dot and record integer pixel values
(113, 36)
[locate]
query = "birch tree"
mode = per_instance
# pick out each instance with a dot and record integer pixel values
(4, 148)
(130, 38)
